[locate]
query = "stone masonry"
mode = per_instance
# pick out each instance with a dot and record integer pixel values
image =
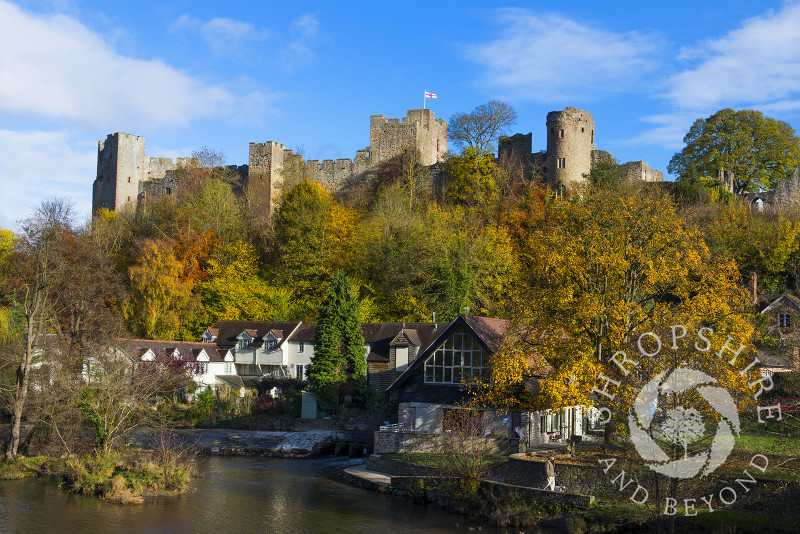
(125, 177)
(571, 153)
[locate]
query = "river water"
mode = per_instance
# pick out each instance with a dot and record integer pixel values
(234, 495)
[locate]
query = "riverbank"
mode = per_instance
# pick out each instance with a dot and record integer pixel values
(507, 505)
(226, 442)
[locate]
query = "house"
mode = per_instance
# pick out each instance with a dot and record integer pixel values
(211, 367)
(392, 347)
(779, 346)
(265, 348)
(285, 348)
(430, 394)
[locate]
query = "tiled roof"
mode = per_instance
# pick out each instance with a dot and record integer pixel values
(188, 349)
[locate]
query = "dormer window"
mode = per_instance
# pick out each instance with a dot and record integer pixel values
(243, 343)
(272, 339)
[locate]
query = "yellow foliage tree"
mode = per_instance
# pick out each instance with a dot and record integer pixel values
(599, 271)
(234, 290)
(158, 294)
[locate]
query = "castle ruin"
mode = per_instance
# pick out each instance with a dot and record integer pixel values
(571, 153)
(125, 177)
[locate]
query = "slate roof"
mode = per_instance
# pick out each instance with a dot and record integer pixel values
(380, 336)
(188, 349)
(229, 330)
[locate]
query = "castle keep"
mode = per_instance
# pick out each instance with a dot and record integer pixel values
(125, 176)
(571, 153)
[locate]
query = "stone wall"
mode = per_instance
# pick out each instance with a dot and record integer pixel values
(570, 142)
(639, 170)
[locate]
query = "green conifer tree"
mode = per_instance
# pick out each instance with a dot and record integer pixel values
(339, 364)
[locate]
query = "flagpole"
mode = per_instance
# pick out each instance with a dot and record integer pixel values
(424, 98)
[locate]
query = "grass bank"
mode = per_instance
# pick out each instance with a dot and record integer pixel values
(123, 477)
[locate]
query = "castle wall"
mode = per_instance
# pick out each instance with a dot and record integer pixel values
(639, 170)
(786, 195)
(570, 142)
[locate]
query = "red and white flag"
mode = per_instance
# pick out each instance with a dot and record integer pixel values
(430, 95)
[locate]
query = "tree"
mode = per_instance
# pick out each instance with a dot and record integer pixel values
(158, 295)
(313, 234)
(596, 271)
(480, 128)
(339, 363)
(234, 290)
(470, 178)
(36, 268)
(759, 150)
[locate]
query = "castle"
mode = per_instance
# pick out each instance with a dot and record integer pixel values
(571, 153)
(125, 177)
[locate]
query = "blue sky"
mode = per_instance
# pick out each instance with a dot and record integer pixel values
(309, 74)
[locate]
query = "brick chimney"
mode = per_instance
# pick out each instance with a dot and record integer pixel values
(752, 287)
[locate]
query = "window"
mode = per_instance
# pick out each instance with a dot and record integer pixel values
(784, 320)
(228, 368)
(243, 343)
(768, 373)
(583, 129)
(129, 179)
(301, 347)
(562, 163)
(298, 370)
(202, 368)
(561, 133)
(459, 358)
(169, 191)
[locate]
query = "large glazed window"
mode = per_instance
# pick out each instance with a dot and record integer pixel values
(460, 357)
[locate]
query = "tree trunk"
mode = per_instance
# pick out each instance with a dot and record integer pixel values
(23, 375)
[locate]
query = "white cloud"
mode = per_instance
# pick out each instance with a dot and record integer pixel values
(39, 164)
(55, 67)
(227, 37)
(547, 57)
(755, 65)
(306, 26)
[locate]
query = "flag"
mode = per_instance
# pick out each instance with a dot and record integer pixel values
(430, 95)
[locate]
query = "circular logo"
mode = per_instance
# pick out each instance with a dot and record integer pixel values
(683, 426)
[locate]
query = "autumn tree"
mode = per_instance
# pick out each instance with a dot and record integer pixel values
(759, 150)
(236, 291)
(158, 295)
(480, 128)
(599, 270)
(339, 363)
(469, 178)
(35, 269)
(313, 236)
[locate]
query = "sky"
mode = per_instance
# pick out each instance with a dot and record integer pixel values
(187, 75)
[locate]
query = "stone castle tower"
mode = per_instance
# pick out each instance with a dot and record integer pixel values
(571, 153)
(121, 167)
(125, 176)
(570, 144)
(124, 172)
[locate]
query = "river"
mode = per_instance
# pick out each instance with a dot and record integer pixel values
(235, 494)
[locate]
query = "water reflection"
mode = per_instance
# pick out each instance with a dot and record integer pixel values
(235, 495)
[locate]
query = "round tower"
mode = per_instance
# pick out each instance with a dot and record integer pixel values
(570, 142)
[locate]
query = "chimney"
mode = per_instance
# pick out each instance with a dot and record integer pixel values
(752, 286)
(435, 326)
